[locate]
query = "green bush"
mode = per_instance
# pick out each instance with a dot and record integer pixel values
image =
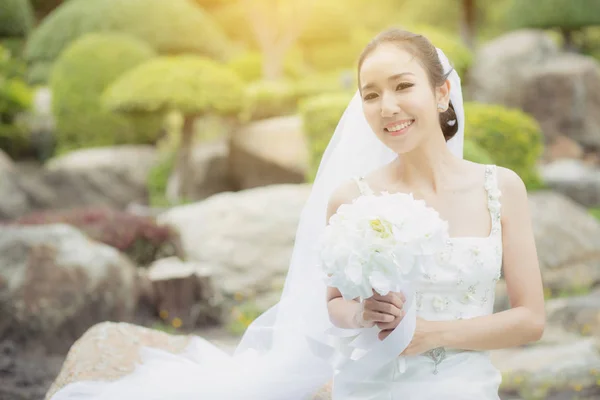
(325, 82)
(512, 138)
(15, 97)
(474, 152)
(266, 99)
(79, 78)
(169, 27)
(16, 18)
(320, 116)
(565, 14)
(192, 85)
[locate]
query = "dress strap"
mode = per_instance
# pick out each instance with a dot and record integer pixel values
(363, 186)
(493, 192)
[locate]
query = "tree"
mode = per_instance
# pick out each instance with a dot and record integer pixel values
(191, 85)
(169, 27)
(16, 18)
(277, 25)
(569, 16)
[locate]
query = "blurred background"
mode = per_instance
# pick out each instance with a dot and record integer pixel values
(155, 156)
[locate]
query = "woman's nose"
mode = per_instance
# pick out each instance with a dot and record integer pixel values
(389, 106)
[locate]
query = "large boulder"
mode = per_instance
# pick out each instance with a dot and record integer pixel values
(245, 238)
(575, 179)
(13, 200)
(55, 283)
(568, 243)
(525, 69)
(271, 151)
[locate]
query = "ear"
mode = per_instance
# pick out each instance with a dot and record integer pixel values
(442, 93)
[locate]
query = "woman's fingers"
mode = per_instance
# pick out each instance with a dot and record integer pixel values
(384, 307)
(395, 298)
(376, 317)
(393, 324)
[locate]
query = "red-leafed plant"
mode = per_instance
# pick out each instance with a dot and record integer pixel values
(140, 237)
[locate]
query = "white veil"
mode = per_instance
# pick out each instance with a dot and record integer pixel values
(354, 150)
(285, 353)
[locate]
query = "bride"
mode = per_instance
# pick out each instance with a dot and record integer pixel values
(402, 132)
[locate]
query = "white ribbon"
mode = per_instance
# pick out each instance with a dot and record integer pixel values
(377, 353)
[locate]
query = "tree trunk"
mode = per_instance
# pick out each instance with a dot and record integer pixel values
(272, 63)
(184, 162)
(468, 23)
(569, 44)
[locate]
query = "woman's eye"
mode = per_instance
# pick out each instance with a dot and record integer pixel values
(404, 86)
(371, 96)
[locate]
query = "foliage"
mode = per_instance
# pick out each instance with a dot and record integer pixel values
(249, 65)
(16, 18)
(457, 52)
(141, 238)
(513, 138)
(193, 85)
(320, 116)
(266, 99)
(242, 315)
(325, 82)
(169, 27)
(473, 152)
(15, 97)
(79, 78)
(565, 14)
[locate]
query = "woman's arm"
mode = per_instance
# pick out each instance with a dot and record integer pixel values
(525, 321)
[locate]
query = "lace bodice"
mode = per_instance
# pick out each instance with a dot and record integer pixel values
(462, 283)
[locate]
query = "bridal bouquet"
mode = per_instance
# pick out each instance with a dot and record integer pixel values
(377, 242)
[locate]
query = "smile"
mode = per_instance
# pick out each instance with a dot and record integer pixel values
(400, 128)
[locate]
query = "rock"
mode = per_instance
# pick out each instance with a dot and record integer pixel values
(563, 95)
(563, 147)
(271, 151)
(13, 200)
(184, 293)
(210, 162)
(246, 237)
(561, 90)
(504, 60)
(568, 243)
(55, 283)
(575, 179)
(539, 371)
(579, 314)
(114, 176)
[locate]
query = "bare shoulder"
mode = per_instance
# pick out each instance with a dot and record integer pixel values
(515, 204)
(343, 194)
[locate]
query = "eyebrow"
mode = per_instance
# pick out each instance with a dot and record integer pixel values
(391, 78)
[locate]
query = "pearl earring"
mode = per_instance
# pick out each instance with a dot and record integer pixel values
(441, 107)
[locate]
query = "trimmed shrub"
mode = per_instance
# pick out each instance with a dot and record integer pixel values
(474, 152)
(511, 137)
(79, 78)
(141, 238)
(566, 14)
(320, 116)
(326, 82)
(266, 99)
(249, 66)
(15, 97)
(193, 86)
(168, 27)
(16, 18)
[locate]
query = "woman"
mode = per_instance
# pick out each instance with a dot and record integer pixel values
(412, 102)
(406, 101)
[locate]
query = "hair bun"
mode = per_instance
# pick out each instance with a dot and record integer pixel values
(448, 122)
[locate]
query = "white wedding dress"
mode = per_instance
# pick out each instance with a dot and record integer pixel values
(460, 286)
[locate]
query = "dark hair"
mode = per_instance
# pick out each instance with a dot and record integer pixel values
(421, 48)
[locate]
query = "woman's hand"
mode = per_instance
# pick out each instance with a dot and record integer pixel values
(426, 338)
(384, 311)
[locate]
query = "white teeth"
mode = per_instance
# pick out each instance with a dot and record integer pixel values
(400, 126)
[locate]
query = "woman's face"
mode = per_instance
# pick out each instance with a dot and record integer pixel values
(398, 100)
